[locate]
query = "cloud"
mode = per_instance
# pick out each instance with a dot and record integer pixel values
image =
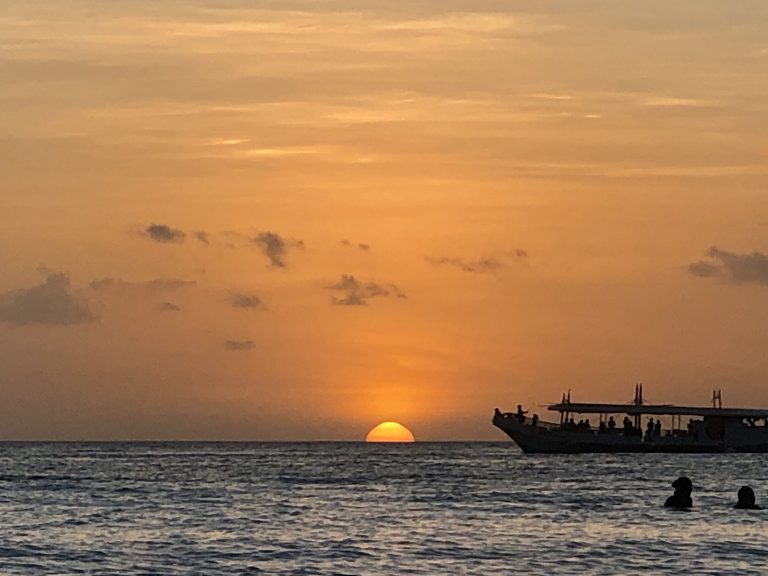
(735, 268)
(159, 285)
(704, 269)
(239, 345)
(169, 307)
(275, 247)
(163, 233)
(483, 265)
(357, 293)
(202, 236)
(251, 301)
(48, 303)
(360, 245)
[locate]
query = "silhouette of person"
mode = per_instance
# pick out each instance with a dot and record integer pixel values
(611, 423)
(649, 429)
(746, 499)
(681, 499)
(657, 428)
(521, 413)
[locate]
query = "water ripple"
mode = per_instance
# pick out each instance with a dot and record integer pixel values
(346, 508)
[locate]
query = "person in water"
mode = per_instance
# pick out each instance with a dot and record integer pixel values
(746, 499)
(681, 499)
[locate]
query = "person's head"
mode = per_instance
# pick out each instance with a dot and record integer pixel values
(683, 485)
(746, 496)
(519, 406)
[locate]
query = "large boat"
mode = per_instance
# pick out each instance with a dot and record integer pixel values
(714, 429)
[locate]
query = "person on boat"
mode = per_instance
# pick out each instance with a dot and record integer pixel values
(602, 429)
(611, 424)
(587, 427)
(746, 498)
(681, 499)
(521, 413)
(657, 428)
(649, 429)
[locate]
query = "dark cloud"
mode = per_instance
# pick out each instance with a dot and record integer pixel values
(751, 268)
(51, 302)
(483, 265)
(239, 345)
(275, 247)
(164, 233)
(239, 300)
(364, 247)
(159, 285)
(357, 293)
(202, 236)
(168, 307)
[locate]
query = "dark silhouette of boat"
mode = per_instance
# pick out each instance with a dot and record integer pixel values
(714, 429)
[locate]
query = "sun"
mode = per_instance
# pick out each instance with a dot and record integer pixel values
(389, 432)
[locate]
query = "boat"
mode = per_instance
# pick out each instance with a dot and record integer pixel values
(708, 430)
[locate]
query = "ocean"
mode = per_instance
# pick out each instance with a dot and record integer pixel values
(355, 508)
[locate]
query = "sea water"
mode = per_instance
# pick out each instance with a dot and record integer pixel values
(354, 508)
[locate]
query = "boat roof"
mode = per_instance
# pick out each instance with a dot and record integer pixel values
(658, 409)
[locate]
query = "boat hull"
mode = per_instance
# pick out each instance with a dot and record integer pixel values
(543, 439)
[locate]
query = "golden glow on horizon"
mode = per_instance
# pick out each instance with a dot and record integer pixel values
(390, 432)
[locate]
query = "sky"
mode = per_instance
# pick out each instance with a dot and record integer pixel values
(294, 220)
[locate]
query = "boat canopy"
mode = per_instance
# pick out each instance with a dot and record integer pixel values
(658, 409)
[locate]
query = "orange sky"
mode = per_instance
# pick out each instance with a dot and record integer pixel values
(294, 220)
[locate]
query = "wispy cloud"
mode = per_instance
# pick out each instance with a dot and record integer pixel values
(161, 284)
(248, 301)
(357, 293)
(484, 265)
(284, 151)
(359, 245)
(51, 302)
(168, 307)
(239, 345)
(673, 102)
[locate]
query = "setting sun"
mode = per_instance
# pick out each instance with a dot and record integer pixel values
(389, 432)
